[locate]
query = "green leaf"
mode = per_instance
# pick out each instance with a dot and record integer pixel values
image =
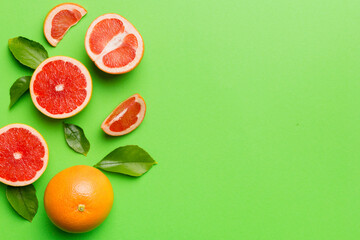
(23, 200)
(129, 160)
(27, 52)
(75, 138)
(19, 87)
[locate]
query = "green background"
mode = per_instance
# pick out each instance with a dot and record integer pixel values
(253, 115)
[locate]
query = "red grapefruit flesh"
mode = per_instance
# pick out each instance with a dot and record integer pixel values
(126, 117)
(61, 87)
(114, 44)
(60, 19)
(24, 155)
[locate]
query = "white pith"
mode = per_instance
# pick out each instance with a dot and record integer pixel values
(17, 155)
(140, 116)
(112, 45)
(44, 159)
(52, 14)
(59, 88)
(118, 116)
(88, 88)
(115, 43)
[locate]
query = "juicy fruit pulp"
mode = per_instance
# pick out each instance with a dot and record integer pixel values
(99, 39)
(126, 117)
(128, 111)
(67, 95)
(78, 199)
(60, 19)
(23, 155)
(114, 44)
(61, 87)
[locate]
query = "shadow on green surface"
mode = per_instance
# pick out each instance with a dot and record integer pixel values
(113, 138)
(118, 138)
(45, 119)
(27, 71)
(25, 97)
(10, 208)
(123, 177)
(106, 77)
(58, 232)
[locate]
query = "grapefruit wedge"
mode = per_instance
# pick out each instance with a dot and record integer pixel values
(60, 87)
(60, 19)
(125, 117)
(114, 44)
(24, 155)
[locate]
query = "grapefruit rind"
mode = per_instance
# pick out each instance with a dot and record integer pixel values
(88, 87)
(75, 186)
(141, 115)
(129, 29)
(45, 159)
(52, 13)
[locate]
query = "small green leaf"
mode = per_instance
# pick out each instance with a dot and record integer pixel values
(129, 160)
(75, 138)
(23, 200)
(27, 52)
(19, 87)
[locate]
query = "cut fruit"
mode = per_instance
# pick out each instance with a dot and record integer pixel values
(60, 87)
(60, 19)
(24, 155)
(126, 117)
(114, 44)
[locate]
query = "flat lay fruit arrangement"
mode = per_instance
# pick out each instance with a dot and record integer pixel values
(79, 198)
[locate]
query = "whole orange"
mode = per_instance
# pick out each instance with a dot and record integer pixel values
(78, 199)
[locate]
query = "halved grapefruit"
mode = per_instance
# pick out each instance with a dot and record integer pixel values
(60, 87)
(24, 155)
(125, 117)
(114, 44)
(60, 19)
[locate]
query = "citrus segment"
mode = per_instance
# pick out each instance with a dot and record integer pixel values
(60, 19)
(120, 57)
(126, 117)
(60, 87)
(114, 44)
(78, 199)
(23, 155)
(103, 32)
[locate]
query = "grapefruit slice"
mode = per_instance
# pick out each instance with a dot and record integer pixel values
(114, 44)
(125, 117)
(60, 87)
(60, 19)
(24, 155)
